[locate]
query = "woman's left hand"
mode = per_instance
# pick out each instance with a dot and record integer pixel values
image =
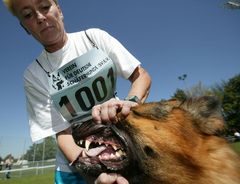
(110, 178)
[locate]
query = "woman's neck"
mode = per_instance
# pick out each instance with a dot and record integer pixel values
(57, 46)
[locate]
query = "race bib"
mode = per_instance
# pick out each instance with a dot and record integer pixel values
(76, 87)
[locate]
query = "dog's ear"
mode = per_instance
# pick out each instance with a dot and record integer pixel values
(206, 113)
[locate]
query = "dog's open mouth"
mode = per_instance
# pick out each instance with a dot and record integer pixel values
(104, 147)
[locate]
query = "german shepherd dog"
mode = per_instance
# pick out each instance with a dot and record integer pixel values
(167, 142)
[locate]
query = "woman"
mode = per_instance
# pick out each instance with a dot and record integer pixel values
(73, 80)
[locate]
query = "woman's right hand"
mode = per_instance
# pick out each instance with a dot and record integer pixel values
(110, 178)
(107, 111)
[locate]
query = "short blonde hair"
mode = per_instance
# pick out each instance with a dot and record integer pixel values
(9, 5)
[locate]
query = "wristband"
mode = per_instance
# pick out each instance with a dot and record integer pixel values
(133, 99)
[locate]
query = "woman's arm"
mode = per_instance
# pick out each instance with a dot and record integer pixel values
(141, 83)
(67, 145)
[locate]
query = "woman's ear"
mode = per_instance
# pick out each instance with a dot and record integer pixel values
(25, 29)
(62, 16)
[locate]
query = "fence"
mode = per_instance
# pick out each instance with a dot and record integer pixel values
(28, 169)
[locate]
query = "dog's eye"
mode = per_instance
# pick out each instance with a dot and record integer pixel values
(150, 152)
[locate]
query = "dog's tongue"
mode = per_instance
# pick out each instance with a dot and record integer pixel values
(95, 151)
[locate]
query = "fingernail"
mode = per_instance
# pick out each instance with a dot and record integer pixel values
(98, 122)
(113, 175)
(122, 180)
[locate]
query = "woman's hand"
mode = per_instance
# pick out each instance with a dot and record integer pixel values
(110, 178)
(107, 112)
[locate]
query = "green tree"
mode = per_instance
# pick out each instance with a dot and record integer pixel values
(195, 91)
(231, 102)
(218, 89)
(179, 94)
(47, 147)
(199, 90)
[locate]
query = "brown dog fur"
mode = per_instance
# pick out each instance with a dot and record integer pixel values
(178, 143)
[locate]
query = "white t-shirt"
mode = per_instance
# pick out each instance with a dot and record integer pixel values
(44, 119)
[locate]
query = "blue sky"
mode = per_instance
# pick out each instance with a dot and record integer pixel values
(170, 38)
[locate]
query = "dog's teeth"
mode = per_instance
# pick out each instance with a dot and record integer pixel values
(114, 147)
(112, 156)
(118, 154)
(122, 152)
(87, 144)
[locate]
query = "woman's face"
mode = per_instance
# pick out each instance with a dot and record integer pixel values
(44, 20)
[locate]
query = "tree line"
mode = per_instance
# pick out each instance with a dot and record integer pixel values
(228, 92)
(41, 151)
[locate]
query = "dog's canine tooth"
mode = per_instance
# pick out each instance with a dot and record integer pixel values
(114, 147)
(81, 141)
(87, 144)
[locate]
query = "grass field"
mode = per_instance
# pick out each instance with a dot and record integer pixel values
(48, 176)
(30, 178)
(236, 147)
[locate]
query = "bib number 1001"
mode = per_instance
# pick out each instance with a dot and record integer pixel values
(84, 94)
